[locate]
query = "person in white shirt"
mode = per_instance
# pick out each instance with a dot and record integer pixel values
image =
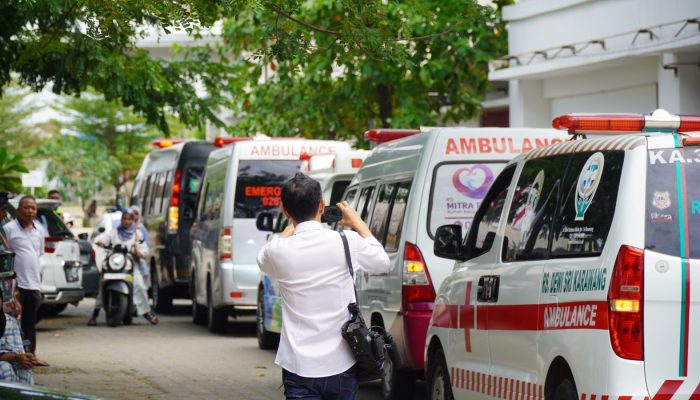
(308, 260)
(26, 238)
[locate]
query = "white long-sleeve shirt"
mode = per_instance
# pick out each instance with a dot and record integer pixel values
(316, 288)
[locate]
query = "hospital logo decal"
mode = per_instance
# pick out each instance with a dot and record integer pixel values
(588, 181)
(473, 181)
(662, 200)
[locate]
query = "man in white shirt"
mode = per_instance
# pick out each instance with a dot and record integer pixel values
(308, 261)
(27, 241)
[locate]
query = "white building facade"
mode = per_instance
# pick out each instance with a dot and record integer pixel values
(600, 56)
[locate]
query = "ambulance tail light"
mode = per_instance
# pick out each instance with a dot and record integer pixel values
(356, 162)
(174, 209)
(417, 286)
(225, 245)
(625, 304)
(387, 135)
(51, 243)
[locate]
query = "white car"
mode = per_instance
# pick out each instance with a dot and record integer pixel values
(579, 276)
(61, 269)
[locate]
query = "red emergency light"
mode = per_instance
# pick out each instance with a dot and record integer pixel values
(163, 143)
(659, 120)
(222, 141)
(386, 135)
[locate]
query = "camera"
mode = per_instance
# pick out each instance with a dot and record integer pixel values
(331, 214)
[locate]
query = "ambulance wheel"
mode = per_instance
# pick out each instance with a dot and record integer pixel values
(216, 317)
(566, 390)
(438, 379)
(266, 340)
(398, 384)
(162, 298)
(199, 313)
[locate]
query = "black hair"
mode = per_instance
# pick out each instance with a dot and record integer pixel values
(301, 197)
(52, 191)
(26, 197)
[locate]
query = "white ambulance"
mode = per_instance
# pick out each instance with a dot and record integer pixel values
(580, 276)
(241, 180)
(405, 189)
(333, 172)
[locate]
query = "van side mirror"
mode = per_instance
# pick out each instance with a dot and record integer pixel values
(448, 243)
(265, 221)
(83, 236)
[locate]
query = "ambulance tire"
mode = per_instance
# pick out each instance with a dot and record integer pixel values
(439, 387)
(566, 390)
(398, 384)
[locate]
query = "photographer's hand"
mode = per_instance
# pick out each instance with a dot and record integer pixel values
(352, 220)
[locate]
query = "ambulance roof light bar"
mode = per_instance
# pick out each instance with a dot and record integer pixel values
(163, 143)
(657, 121)
(222, 141)
(386, 135)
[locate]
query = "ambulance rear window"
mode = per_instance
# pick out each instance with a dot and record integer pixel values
(259, 185)
(673, 202)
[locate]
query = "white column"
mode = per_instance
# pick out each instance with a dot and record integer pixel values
(679, 84)
(528, 107)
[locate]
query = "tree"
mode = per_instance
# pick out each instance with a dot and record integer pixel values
(15, 133)
(116, 130)
(11, 168)
(80, 164)
(334, 68)
(74, 44)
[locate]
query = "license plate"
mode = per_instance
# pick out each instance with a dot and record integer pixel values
(110, 276)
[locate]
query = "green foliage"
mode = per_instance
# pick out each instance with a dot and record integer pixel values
(14, 132)
(119, 134)
(82, 165)
(332, 69)
(11, 168)
(74, 44)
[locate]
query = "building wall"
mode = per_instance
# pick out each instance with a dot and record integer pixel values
(554, 67)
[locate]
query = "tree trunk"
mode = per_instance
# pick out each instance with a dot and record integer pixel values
(386, 109)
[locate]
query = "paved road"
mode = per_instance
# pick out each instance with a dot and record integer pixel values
(174, 360)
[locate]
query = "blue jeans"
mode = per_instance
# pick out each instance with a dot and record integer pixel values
(337, 387)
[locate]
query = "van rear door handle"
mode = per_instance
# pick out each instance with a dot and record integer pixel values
(488, 289)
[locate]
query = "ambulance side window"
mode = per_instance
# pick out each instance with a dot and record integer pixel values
(483, 231)
(583, 223)
(380, 213)
(398, 211)
(532, 209)
(363, 205)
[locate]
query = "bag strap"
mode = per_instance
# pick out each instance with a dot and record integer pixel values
(348, 261)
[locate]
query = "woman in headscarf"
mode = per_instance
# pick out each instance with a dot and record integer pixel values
(128, 235)
(143, 267)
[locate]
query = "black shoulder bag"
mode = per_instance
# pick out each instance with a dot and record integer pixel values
(369, 345)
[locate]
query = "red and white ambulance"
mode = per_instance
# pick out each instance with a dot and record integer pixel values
(580, 276)
(404, 190)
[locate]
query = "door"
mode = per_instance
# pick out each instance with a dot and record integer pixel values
(672, 272)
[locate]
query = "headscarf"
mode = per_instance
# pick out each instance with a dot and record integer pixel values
(125, 233)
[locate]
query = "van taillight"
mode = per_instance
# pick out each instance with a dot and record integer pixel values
(417, 287)
(225, 245)
(625, 304)
(51, 243)
(173, 210)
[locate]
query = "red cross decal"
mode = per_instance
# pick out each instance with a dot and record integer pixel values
(466, 318)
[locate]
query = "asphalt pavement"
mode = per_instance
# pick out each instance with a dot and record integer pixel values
(173, 360)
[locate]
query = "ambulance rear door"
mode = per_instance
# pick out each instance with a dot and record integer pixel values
(671, 308)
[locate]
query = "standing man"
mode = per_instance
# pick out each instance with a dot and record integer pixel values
(308, 261)
(56, 195)
(27, 240)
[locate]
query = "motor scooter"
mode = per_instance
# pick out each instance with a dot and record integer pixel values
(117, 285)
